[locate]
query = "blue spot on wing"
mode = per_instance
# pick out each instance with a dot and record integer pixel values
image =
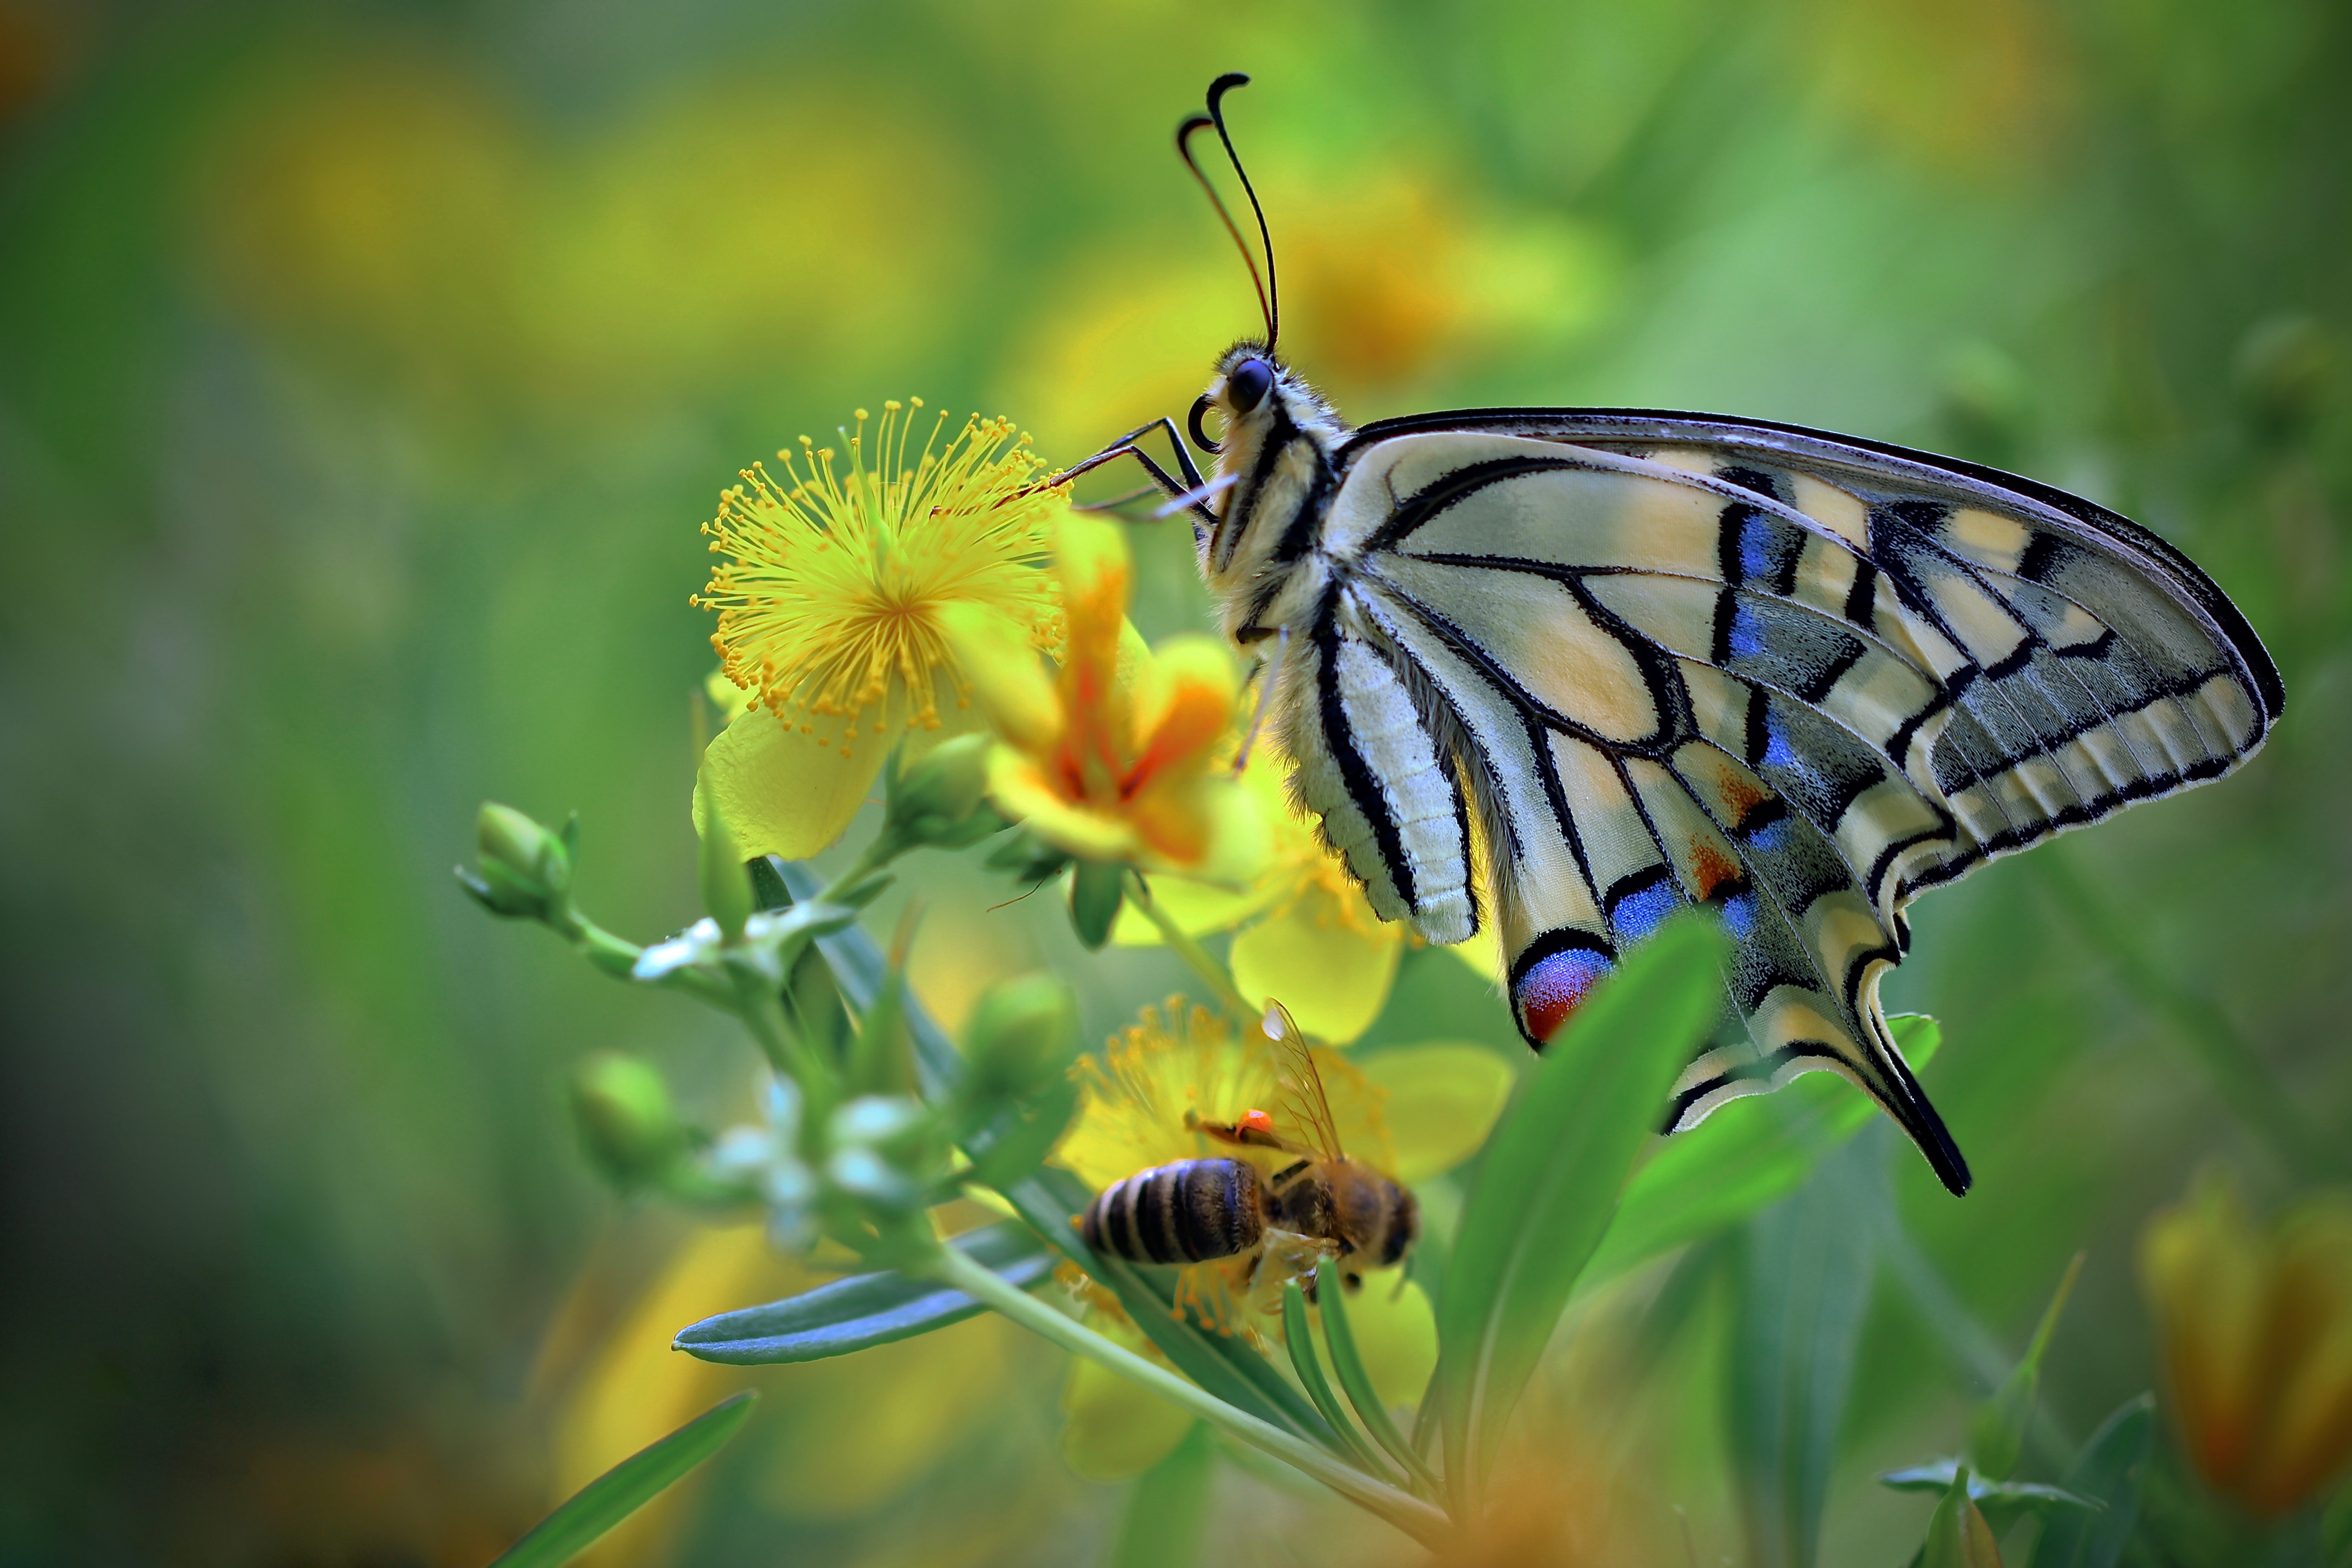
(1637, 915)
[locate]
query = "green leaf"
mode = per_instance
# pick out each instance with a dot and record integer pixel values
(1095, 889)
(2002, 1502)
(864, 1310)
(1299, 1338)
(626, 1488)
(1550, 1179)
(1748, 1155)
(2109, 1472)
(1804, 1276)
(1349, 1367)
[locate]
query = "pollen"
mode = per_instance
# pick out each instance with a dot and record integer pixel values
(836, 569)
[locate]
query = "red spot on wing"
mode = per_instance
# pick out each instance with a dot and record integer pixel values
(1554, 986)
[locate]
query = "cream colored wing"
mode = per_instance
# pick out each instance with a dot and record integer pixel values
(1797, 679)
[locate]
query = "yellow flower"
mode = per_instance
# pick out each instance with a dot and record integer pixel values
(1115, 759)
(1303, 930)
(833, 602)
(2255, 1325)
(1181, 1065)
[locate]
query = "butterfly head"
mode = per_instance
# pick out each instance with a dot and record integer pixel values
(1273, 434)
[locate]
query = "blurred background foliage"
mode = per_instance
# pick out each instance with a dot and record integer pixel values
(365, 370)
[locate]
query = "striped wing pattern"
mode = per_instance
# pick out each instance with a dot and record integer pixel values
(1628, 663)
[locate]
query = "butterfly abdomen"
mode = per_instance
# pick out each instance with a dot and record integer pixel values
(1189, 1212)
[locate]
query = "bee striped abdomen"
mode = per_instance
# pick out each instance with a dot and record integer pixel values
(1189, 1212)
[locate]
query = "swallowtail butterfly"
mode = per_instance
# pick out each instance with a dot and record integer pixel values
(1571, 669)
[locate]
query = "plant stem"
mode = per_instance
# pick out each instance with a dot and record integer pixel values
(1197, 958)
(1408, 1513)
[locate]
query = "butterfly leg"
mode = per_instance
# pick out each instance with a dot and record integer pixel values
(1124, 446)
(1268, 673)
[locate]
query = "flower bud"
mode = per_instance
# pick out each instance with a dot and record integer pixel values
(937, 794)
(2255, 1326)
(526, 872)
(1023, 1033)
(1959, 1536)
(627, 1124)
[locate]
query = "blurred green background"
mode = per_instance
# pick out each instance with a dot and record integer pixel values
(365, 371)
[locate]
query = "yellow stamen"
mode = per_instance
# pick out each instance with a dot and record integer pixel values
(823, 634)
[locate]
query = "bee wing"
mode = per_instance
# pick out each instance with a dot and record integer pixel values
(1303, 1104)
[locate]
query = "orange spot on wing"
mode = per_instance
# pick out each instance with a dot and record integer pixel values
(1711, 868)
(1254, 1121)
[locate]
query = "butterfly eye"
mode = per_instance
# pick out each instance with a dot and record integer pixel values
(1248, 384)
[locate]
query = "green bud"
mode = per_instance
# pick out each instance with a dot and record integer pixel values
(1023, 1033)
(1096, 888)
(526, 872)
(1997, 1435)
(941, 800)
(1959, 1536)
(726, 885)
(627, 1124)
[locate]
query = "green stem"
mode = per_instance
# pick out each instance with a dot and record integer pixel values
(2244, 1080)
(1196, 958)
(1408, 1513)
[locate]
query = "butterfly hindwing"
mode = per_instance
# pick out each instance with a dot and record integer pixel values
(1670, 661)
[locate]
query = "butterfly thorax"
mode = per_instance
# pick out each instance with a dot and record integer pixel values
(1260, 559)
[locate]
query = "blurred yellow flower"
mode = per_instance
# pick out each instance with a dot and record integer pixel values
(1115, 759)
(831, 604)
(2255, 1324)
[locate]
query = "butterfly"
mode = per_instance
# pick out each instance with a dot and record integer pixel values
(1571, 671)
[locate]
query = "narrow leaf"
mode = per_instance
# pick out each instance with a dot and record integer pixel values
(2108, 1472)
(1748, 1155)
(1299, 1338)
(864, 1310)
(626, 1487)
(1550, 1178)
(1348, 1366)
(1804, 1279)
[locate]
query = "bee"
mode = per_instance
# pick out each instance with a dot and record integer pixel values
(1196, 1211)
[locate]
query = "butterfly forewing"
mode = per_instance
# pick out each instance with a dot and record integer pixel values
(1670, 660)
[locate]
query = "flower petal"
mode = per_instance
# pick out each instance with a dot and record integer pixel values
(1194, 905)
(1331, 972)
(1183, 705)
(1442, 1101)
(780, 792)
(1022, 790)
(994, 654)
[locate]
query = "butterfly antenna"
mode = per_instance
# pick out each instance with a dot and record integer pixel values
(1269, 295)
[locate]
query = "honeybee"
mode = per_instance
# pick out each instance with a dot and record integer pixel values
(1195, 1211)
